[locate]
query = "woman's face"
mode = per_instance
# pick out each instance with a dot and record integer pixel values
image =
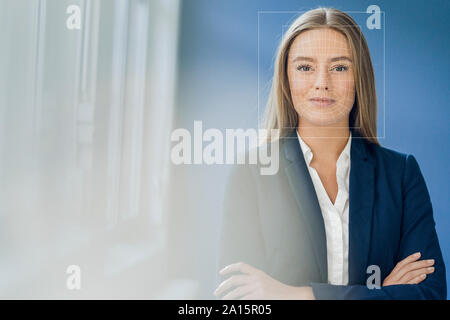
(320, 73)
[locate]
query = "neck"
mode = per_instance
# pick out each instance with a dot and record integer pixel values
(326, 142)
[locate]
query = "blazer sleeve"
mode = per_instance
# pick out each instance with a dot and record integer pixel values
(240, 236)
(417, 234)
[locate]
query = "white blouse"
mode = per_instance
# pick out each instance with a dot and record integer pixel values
(335, 216)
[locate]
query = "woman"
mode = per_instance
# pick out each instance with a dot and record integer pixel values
(342, 212)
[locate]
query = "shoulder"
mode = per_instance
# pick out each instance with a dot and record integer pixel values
(386, 157)
(394, 163)
(386, 154)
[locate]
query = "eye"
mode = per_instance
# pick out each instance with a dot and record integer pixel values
(340, 68)
(304, 67)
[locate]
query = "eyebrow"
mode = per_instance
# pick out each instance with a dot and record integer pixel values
(330, 60)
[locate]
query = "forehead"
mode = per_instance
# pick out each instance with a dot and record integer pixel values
(320, 42)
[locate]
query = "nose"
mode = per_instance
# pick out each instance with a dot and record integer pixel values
(322, 80)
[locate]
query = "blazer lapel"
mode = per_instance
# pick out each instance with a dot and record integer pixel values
(306, 198)
(360, 209)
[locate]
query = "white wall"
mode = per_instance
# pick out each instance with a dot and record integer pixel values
(85, 120)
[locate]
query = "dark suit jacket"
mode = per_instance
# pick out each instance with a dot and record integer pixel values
(275, 223)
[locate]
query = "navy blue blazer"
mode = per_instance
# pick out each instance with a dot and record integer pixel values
(275, 223)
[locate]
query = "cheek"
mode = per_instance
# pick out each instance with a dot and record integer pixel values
(299, 88)
(345, 90)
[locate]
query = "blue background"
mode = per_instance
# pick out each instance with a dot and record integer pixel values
(218, 84)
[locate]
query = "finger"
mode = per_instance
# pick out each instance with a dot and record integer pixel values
(251, 296)
(408, 259)
(414, 266)
(239, 292)
(413, 274)
(418, 279)
(238, 267)
(232, 281)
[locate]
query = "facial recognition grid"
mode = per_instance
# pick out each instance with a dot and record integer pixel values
(269, 38)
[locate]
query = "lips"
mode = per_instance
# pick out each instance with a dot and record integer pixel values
(322, 102)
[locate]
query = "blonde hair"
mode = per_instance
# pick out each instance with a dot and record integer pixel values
(280, 113)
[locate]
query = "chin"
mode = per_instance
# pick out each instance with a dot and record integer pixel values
(321, 117)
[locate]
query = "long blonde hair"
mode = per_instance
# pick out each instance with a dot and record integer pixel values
(280, 113)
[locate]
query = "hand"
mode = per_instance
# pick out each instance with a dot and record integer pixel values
(254, 284)
(410, 271)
